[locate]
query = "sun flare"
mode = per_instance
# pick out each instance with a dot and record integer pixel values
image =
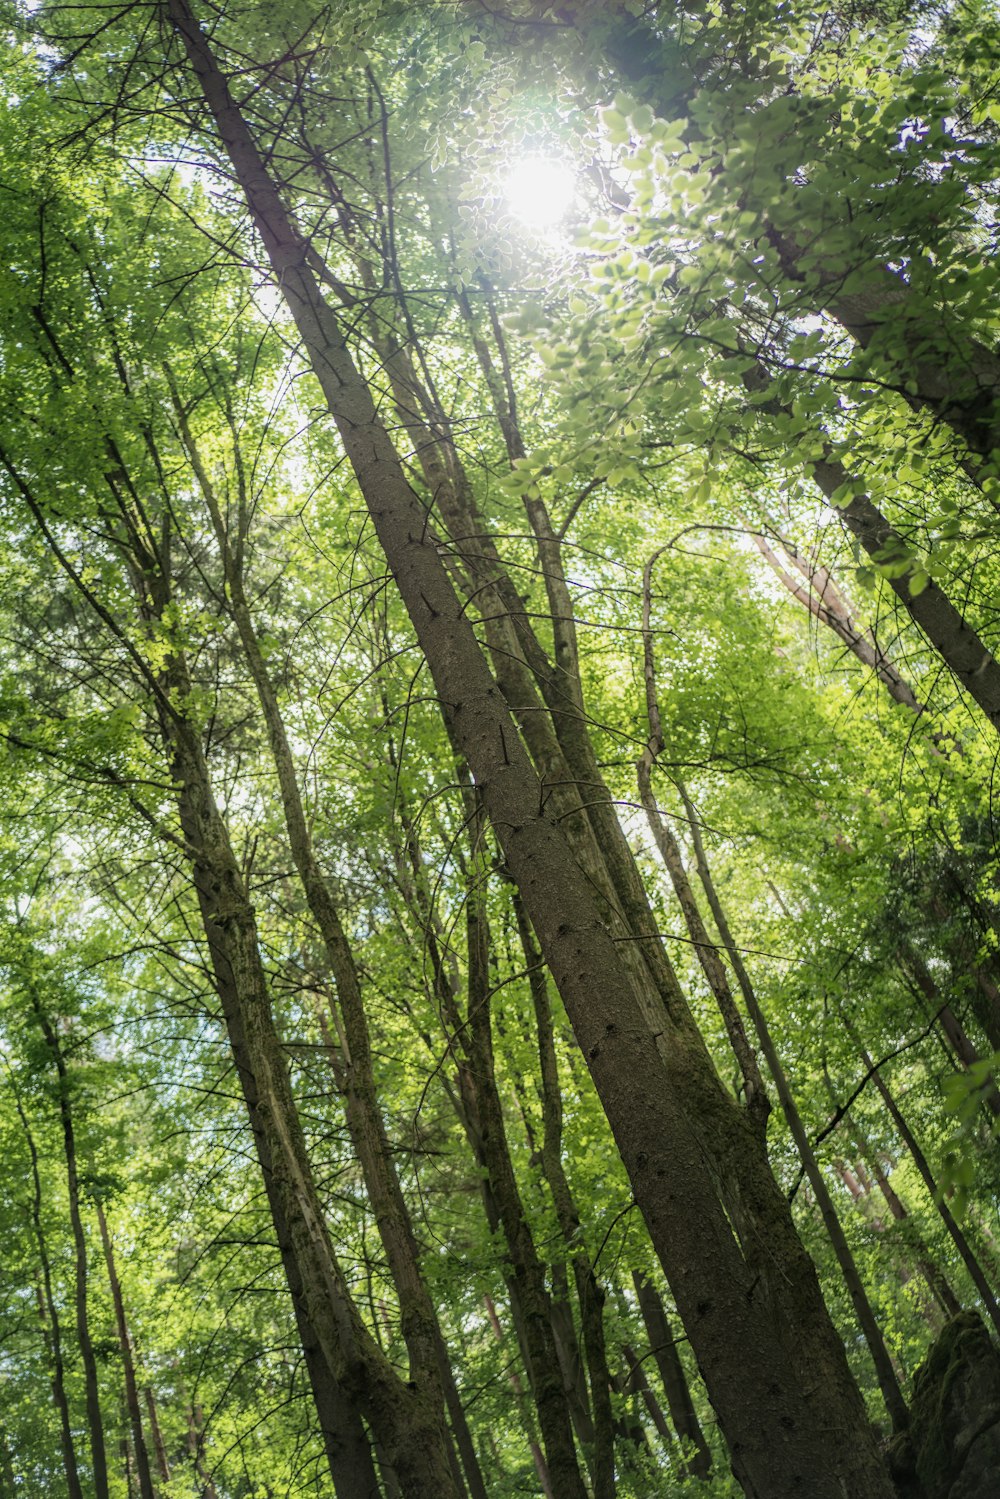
(540, 191)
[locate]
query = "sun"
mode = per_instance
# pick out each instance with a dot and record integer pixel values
(540, 191)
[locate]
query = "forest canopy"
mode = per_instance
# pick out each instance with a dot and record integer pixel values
(499, 696)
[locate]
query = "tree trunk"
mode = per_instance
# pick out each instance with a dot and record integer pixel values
(570, 1357)
(638, 1381)
(196, 1451)
(952, 376)
(960, 387)
(125, 1451)
(970, 661)
(527, 1269)
(162, 1461)
(762, 1334)
(958, 1238)
(143, 1470)
(88, 1359)
(403, 1419)
(698, 1457)
(955, 1033)
(478, 1100)
(590, 1295)
(48, 1319)
(537, 1456)
(430, 1365)
(820, 595)
(48, 1315)
(937, 1281)
(350, 1374)
(884, 1370)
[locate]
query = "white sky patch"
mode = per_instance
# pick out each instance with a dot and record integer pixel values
(539, 191)
(269, 301)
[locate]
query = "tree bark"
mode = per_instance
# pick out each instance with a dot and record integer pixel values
(338, 1349)
(944, 371)
(477, 1102)
(820, 595)
(719, 984)
(196, 1451)
(961, 386)
(402, 1418)
(937, 1281)
(956, 1035)
(639, 1382)
(970, 661)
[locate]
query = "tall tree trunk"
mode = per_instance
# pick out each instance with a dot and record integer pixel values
(405, 1419)
(885, 1372)
(430, 1365)
(95, 1421)
(937, 1281)
(159, 1447)
(351, 1376)
(514, 1379)
(48, 1315)
(961, 649)
(764, 1340)
(955, 1033)
(528, 1271)
(959, 383)
(590, 1295)
(953, 376)
(639, 1382)
(817, 591)
(698, 1457)
(125, 1451)
(719, 984)
(961, 1243)
(48, 1318)
(570, 1356)
(196, 1451)
(146, 1490)
(634, 1444)
(477, 1100)
(336, 1345)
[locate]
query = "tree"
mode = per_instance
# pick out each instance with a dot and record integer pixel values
(317, 493)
